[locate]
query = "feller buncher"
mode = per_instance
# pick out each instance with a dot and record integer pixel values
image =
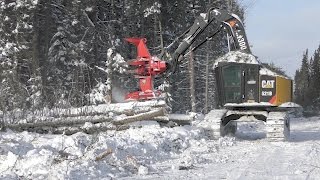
(245, 88)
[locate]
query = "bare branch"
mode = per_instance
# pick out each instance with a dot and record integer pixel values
(89, 20)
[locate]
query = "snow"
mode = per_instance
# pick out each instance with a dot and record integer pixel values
(154, 9)
(240, 57)
(265, 71)
(149, 151)
(237, 57)
(97, 95)
(109, 53)
(261, 104)
(11, 4)
(119, 64)
(89, 9)
(74, 22)
(290, 104)
(35, 2)
(134, 152)
(204, 16)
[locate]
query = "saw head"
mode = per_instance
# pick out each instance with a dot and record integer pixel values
(145, 68)
(140, 43)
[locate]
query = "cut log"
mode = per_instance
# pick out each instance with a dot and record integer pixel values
(140, 117)
(129, 109)
(95, 128)
(180, 119)
(60, 122)
(72, 125)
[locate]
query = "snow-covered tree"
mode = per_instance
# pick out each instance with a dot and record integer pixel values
(19, 54)
(52, 49)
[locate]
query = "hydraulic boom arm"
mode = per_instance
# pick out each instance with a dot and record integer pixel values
(219, 19)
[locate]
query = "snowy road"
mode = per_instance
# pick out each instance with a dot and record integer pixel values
(251, 156)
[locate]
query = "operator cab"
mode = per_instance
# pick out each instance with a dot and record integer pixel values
(237, 83)
(250, 85)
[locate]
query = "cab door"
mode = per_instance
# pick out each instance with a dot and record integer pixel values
(232, 83)
(251, 83)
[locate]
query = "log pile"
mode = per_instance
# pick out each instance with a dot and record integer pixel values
(96, 120)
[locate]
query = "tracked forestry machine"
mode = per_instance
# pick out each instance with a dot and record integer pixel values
(246, 90)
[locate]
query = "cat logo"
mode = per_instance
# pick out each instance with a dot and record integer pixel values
(268, 84)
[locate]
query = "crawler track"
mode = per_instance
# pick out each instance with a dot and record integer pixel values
(278, 126)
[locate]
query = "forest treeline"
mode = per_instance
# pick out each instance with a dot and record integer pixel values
(307, 81)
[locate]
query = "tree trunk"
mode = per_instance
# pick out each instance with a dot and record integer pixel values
(140, 117)
(192, 88)
(60, 122)
(71, 125)
(179, 119)
(206, 104)
(109, 71)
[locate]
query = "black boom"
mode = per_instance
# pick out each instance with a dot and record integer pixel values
(219, 19)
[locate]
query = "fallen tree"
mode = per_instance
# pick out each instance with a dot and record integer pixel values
(139, 117)
(179, 119)
(154, 111)
(129, 109)
(60, 122)
(72, 125)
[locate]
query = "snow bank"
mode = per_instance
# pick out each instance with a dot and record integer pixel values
(138, 151)
(152, 152)
(130, 152)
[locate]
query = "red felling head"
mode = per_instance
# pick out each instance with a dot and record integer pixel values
(142, 50)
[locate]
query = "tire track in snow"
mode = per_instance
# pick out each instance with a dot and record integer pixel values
(259, 159)
(270, 160)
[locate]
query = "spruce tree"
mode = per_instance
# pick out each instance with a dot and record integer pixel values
(314, 88)
(302, 81)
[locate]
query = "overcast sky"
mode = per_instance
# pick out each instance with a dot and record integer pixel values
(279, 31)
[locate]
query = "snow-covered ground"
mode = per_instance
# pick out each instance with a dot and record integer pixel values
(154, 152)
